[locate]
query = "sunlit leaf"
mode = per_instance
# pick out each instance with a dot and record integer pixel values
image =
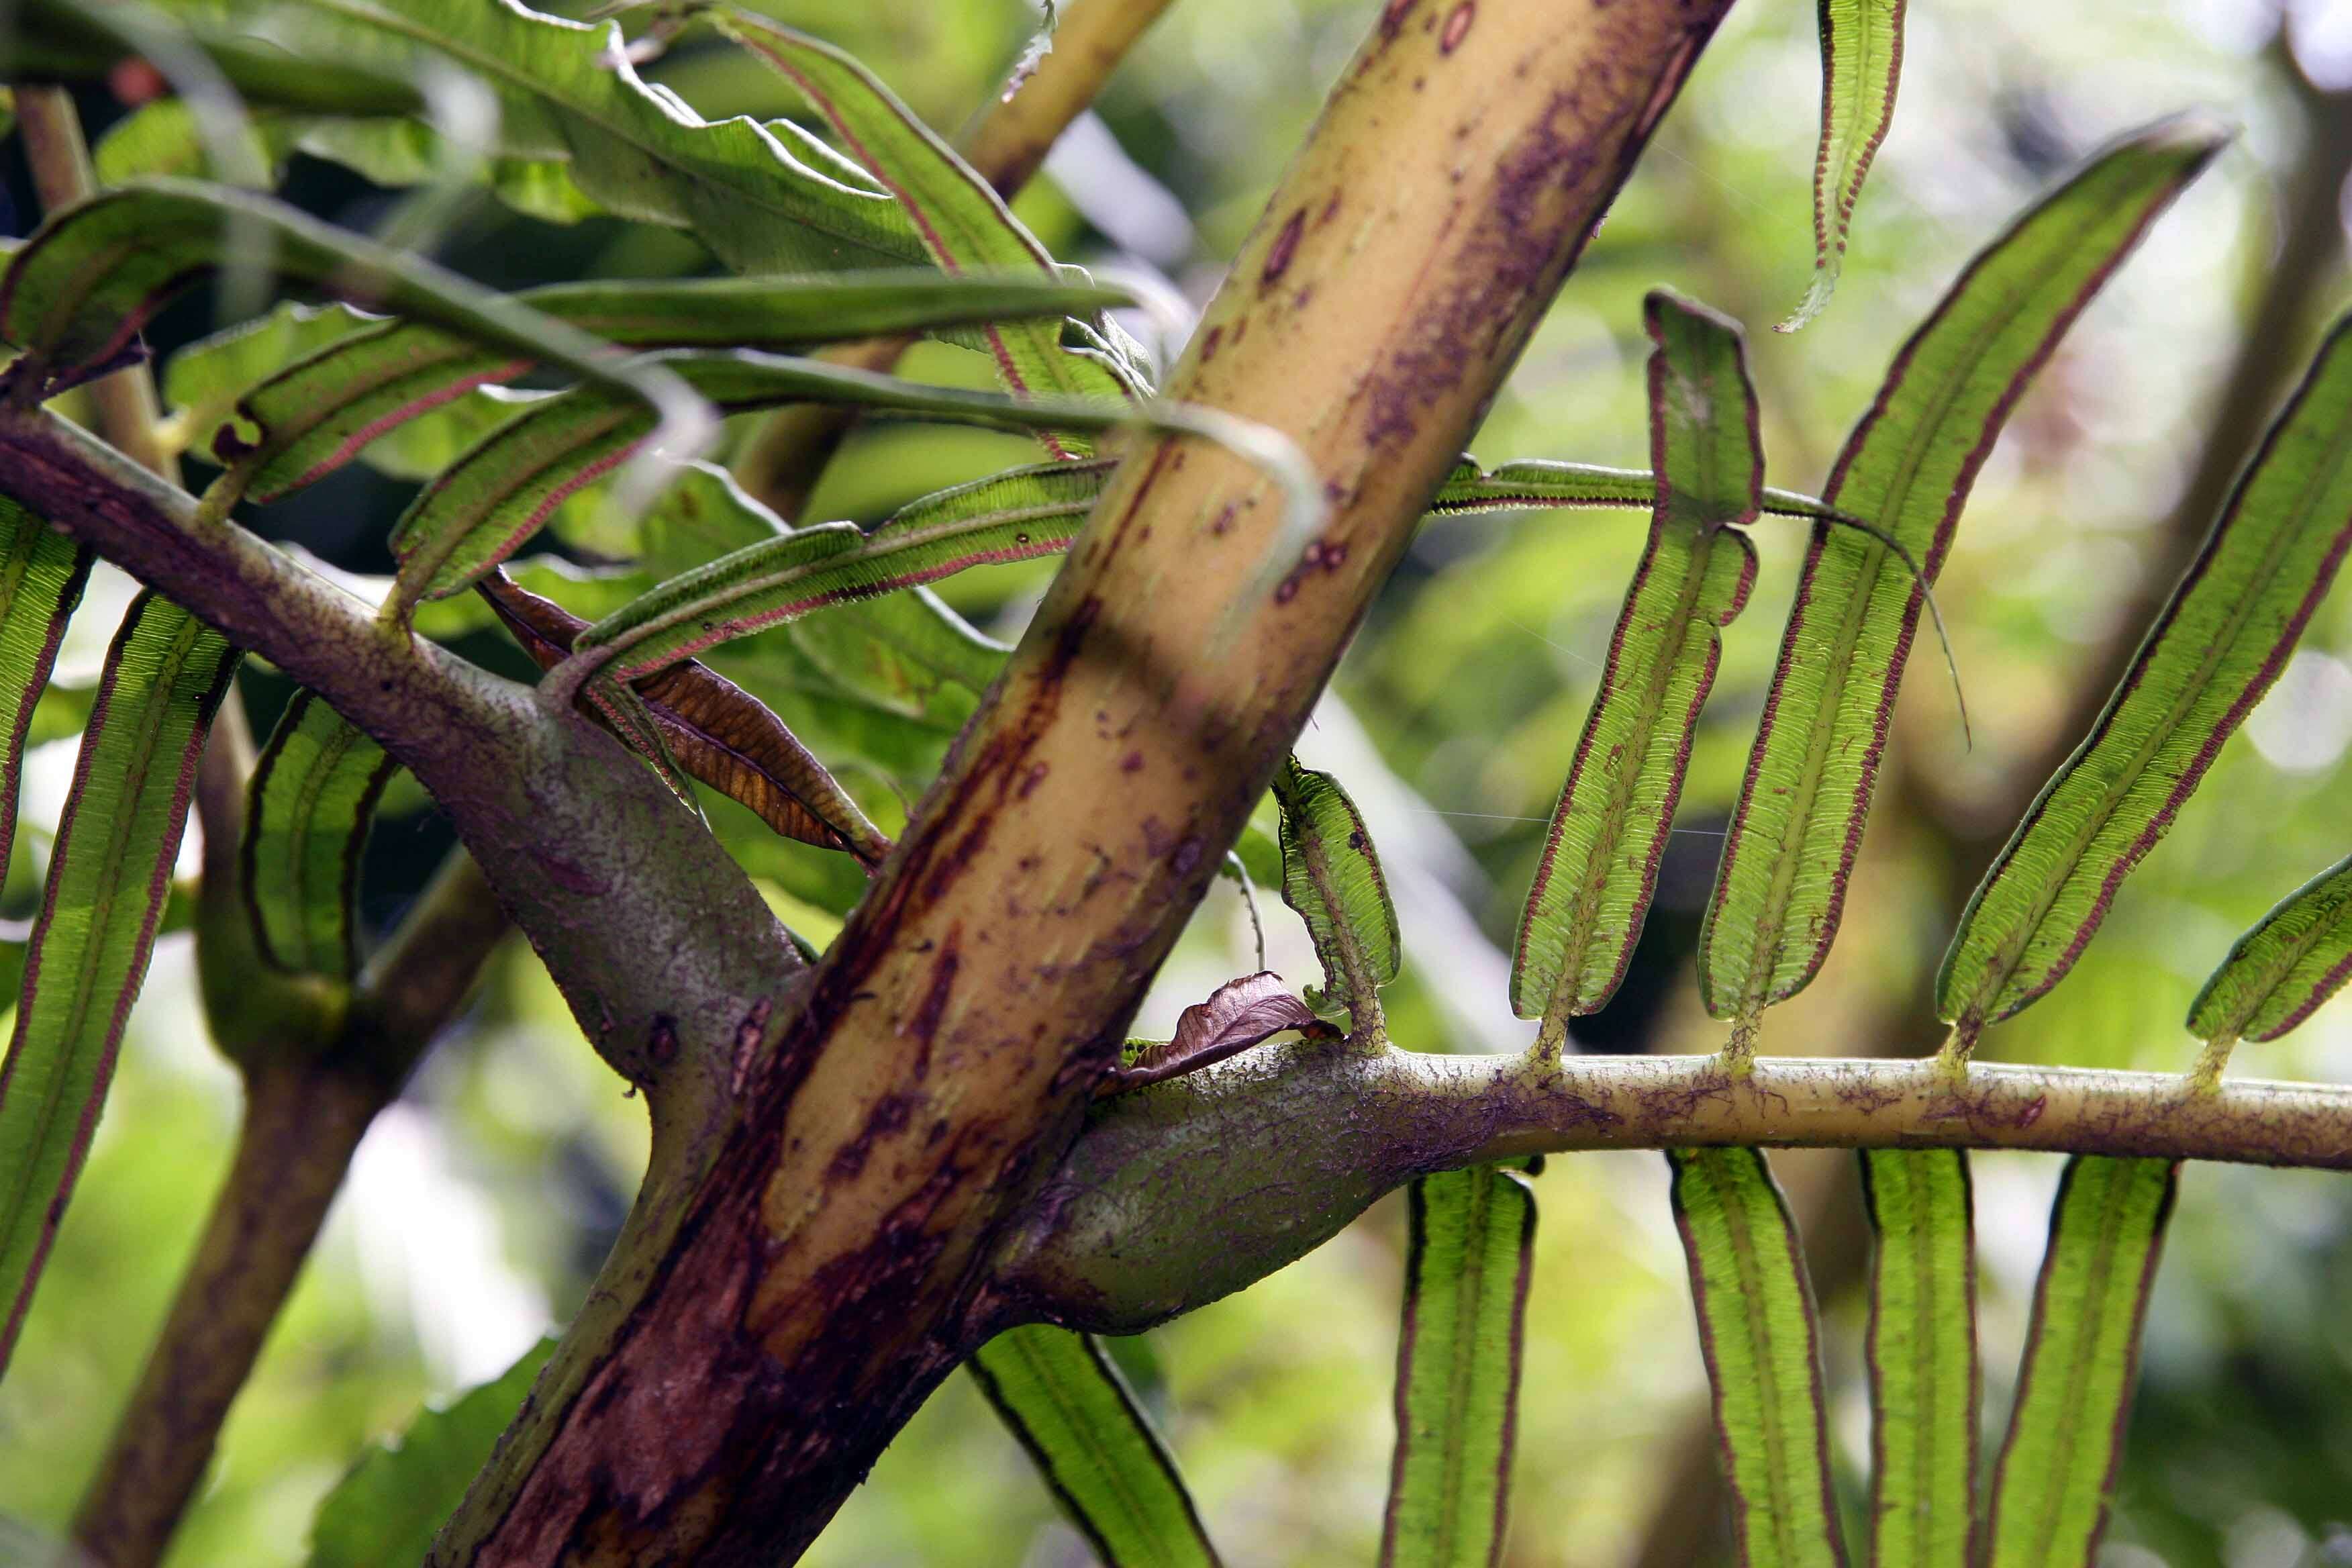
(1470, 1253)
(961, 221)
(1600, 864)
(386, 1510)
(1907, 469)
(167, 137)
(1331, 876)
(308, 811)
(2057, 1471)
(765, 197)
(109, 876)
(502, 492)
(1096, 1449)
(2278, 973)
(1862, 62)
(1761, 1340)
(1924, 1380)
(905, 650)
(702, 514)
(2215, 649)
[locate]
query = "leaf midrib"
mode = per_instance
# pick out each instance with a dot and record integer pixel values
(2001, 967)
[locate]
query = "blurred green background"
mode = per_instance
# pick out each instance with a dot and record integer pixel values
(480, 1205)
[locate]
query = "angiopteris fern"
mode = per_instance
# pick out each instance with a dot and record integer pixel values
(794, 680)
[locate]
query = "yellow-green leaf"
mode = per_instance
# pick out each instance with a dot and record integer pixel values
(1600, 864)
(1907, 470)
(1761, 1340)
(2214, 650)
(1096, 1449)
(109, 876)
(1470, 1252)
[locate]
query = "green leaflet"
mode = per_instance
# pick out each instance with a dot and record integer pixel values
(1471, 1252)
(500, 494)
(1011, 516)
(1532, 483)
(961, 220)
(388, 1507)
(167, 137)
(1094, 1447)
(407, 152)
(345, 380)
(1537, 484)
(307, 810)
(1757, 1327)
(2218, 644)
(853, 647)
(1600, 865)
(2057, 1469)
(1331, 876)
(80, 291)
(901, 650)
(420, 446)
(109, 875)
(1907, 469)
(41, 577)
(1018, 513)
(202, 382)
(702, 514)
(1924, 1380)
(766, 198)
(1862, 60)
(2278, 973)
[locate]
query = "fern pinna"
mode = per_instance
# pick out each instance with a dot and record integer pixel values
(717, 687)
